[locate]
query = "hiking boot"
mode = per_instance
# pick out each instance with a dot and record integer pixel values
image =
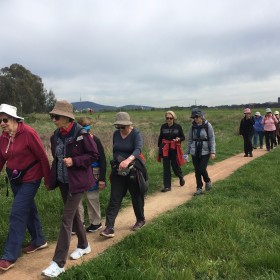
(251, 155)
(208, 186)
(261, 147)
(255, 147)
(53, 270)
(78, 253)
(166, 190)
(138, 225)
(108, 232)
(246, 155)
(94, 228)
(182, 181)
(32, 248)
(198, 192)
(5, 264)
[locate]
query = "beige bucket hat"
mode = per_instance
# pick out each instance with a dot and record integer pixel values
(122, 118)
(63, 108)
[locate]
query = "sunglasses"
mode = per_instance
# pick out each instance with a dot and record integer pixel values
(56, 117)
(196, 117)
(119, 127)
(4, 120)
(167, 118)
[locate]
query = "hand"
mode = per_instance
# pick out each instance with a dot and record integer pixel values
(212, 156)
(102, 185)
(177, 139)
(68, 162)
(124, 164)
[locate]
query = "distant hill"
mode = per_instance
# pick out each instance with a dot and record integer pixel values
(85, 105)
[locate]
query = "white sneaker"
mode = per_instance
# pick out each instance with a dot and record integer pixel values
(78, 253)
(53, 270)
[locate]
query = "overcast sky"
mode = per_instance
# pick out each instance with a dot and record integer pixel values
(149, 52)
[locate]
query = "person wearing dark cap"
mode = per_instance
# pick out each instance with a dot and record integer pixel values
(246, 129)
(23, 152)
(202, 147)
(127, 147)
(169, 143)
(73, 152)
(99, 172)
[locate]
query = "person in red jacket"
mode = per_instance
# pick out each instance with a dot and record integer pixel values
(73, 152)
(22, 150)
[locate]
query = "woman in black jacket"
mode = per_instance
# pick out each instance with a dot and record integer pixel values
(169, 143)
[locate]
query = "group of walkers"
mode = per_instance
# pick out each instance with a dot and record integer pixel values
(79, 167)
(258, 127)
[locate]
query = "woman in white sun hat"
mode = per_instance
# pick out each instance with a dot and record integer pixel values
(22, 150)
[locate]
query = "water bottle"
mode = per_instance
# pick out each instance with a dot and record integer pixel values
(186, 157)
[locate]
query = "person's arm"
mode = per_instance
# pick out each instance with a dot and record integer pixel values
(102, 160)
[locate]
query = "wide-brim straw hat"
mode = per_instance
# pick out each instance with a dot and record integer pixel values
(63, 108)
(10, 110)
(122, 118)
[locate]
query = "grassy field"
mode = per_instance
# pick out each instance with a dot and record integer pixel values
(213, 237)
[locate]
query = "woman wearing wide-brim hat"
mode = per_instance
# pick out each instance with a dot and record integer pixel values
(73, 152)
(127, 147)
(22, 149)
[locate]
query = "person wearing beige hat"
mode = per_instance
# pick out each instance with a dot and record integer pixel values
(258, 130)
(23, 152)
(73, 152)
(127, 147)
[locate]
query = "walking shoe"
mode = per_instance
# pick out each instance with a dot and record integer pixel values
(5, 264)
(94, 228)
(255, 147)
(32, 248)
(251, 155)
(138, 225)
(78, 253)
(246, 155)
(108, 232)
(261, 147)
(166, 190)
(53, 270)
(208, 186)
(182, 181)
(198, 192)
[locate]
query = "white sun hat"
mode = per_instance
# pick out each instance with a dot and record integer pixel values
(10, 110)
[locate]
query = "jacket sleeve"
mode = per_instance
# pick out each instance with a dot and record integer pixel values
(89, 154)
(181, 133)
(160, 136)
(212, 142)
(190, 136)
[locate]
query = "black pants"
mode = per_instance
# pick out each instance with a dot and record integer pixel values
(248, 147)
(269, 139)
(119, 187)
(171, 159)
(200, 166)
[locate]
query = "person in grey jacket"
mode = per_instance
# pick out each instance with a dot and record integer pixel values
(202, 147)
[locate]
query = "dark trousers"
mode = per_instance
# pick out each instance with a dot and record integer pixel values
(119, 187)
(200, 167)
(167, 161)
(248, 147)
(269, 139)
(70, 218)
(23, 215)
(258, 134)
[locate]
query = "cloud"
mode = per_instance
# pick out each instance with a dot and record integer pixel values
(157, 53)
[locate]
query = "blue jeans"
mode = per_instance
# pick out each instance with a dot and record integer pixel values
(258, 134)
(23, 215)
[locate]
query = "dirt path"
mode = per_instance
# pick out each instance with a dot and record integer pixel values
(30, 266)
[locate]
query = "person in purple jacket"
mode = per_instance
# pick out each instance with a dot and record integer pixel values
(73, 152)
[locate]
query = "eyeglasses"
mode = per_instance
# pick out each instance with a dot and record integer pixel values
(119, 127)
(167, 118)
(56, 117)
(4, 120)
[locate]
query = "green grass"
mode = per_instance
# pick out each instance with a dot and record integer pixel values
(216, 236)
(230, 233)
